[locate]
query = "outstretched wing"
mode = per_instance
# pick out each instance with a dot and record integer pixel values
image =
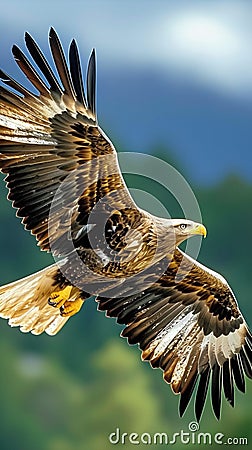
(188, 324)
(59, 163)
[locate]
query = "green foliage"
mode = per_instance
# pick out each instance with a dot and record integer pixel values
(71, 391)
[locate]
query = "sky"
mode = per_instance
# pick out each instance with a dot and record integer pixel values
(209, 40)
(203, 45)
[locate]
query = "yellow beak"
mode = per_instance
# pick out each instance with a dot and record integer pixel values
(200, 229)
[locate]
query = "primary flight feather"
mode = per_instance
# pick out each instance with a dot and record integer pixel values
(64, 179)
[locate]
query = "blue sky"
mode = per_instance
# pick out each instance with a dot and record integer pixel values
(203, 47)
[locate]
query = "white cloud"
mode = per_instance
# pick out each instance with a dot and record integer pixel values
(209, 44)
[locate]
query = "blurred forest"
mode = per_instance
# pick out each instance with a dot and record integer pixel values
(69, 392)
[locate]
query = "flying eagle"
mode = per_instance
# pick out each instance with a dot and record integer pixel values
(64, 179)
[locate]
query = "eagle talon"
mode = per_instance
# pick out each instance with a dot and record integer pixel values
(57, 299)
(70, 308)
(61, 299)
(51, 302)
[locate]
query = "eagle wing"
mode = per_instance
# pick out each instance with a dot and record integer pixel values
(59, 163)
(188, 324)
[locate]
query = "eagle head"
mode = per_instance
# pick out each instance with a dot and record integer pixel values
(186, 228)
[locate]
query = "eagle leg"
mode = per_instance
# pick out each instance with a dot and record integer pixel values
(58, 298)
(62, 300)
(70, 308)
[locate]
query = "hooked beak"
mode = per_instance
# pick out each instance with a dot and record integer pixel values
(200, 229)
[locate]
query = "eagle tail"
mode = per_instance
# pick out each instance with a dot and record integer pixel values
(25, 302)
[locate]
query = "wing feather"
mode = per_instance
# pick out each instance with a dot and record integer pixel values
(11, 97)
(228, 382)
(188, 324)
(201, 393)
(91, 83)
(61, 64)
(76, 74)
(187, 391)
(54, 154)
(216, 389)
(29, 71)
(42, 63)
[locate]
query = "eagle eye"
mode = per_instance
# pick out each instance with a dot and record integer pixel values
(183, 226)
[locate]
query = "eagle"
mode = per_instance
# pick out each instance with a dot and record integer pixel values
(63, 178)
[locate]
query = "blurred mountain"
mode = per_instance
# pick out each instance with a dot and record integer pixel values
(210, 134)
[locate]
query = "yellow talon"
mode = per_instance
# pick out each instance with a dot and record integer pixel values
(58, 298)
(71, 307)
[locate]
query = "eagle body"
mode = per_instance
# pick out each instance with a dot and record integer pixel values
(65, 182)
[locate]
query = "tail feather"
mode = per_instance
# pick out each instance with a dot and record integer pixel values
(25, 303)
